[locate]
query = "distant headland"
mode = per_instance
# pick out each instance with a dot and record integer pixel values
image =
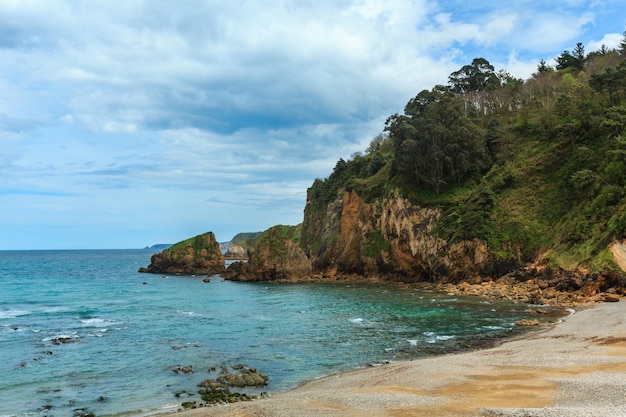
(159, 246)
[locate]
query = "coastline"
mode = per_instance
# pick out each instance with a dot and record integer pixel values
(575, 368)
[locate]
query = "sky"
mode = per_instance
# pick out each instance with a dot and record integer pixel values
(127, 124)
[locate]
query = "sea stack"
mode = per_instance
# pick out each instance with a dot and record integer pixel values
(195, 256)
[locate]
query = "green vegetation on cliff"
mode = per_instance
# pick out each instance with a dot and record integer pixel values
(197, 255)
(533, 168)
(245, 240)
(275, 240)
(202, 245)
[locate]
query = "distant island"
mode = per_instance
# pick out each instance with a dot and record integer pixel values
(159, 246)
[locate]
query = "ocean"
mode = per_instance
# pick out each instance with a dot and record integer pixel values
(83, 332)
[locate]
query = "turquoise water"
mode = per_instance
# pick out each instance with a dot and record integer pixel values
(126, 331)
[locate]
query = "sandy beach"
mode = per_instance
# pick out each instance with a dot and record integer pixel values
(576, 368)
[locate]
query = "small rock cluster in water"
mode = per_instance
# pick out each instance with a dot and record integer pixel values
(218, 390)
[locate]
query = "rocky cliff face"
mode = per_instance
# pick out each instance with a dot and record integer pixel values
(199, 255)
(276, 257)
(390, 237)
(394, 239)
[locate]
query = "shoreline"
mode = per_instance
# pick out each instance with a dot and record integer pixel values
(576, 367)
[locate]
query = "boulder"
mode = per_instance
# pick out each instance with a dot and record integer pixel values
(527, 322)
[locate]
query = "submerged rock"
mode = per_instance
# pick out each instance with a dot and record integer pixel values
(527, 322)
(62, 340)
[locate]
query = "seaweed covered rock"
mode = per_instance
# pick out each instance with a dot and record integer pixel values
(198, 255)
(218, 391)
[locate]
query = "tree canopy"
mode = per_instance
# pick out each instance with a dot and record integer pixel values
(435, 141)
(478, 76)
(527, 166)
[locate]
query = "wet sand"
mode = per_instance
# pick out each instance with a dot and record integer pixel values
(576, 368)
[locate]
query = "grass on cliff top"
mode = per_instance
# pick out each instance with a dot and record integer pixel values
(280, 232)
(204, 241)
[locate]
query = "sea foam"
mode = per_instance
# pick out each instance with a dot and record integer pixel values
(11, 314)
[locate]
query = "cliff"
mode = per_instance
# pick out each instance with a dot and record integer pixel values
(522, 182)
(198, 255)
(390, 237)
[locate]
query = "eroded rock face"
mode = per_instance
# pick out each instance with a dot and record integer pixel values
(275, 257)
(236, 252)
(391, 238)
(199, 255)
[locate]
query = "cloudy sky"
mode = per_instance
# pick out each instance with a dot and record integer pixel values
(125, 124)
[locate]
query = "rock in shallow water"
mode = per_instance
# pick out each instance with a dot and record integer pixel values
(527, 322)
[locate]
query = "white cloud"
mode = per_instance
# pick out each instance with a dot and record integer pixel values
(234, 104)
(68, 118)
(609, 40)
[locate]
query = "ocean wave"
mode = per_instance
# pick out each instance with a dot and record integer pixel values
(55, 309)
(187, 313)
(492, 327)
(11, 314)
(73, 335)
(432, 338)
(357, 320)
(98, 322)
(98, 332)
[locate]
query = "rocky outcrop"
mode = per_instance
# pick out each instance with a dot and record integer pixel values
(276, 257)
(545, 286)
(619, 253)
(199, 255)
(237, 252)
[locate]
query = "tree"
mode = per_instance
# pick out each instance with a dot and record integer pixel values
(611, 81)
(375, 144)
(477, 76)
(400, 130)
(622, 45)
(505, 79)
(579, 54)
(543, 67)
(575, 59)
(435, 142)
(417, 105)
